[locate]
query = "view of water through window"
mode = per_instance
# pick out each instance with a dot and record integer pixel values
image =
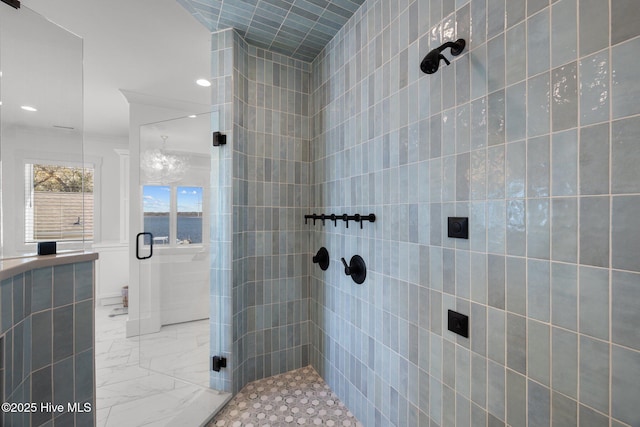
(189, 228)
(157, 214)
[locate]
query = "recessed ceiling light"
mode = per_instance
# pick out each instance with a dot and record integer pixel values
(193, 116)
(203, 82)
(29, 108)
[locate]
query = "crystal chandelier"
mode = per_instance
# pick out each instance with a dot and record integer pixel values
(161, 166)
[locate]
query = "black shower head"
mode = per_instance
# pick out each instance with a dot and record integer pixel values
(431, 62)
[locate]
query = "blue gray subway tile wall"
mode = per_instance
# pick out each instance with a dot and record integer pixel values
(46, 345)
(261, 190)
(531, 133)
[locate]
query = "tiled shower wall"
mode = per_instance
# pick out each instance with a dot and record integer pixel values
(271, 194)
(222, 209)
(46, 334)
(533, 133)
(266, 172)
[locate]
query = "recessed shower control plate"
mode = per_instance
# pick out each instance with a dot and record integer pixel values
(458, 227)
(458, 323)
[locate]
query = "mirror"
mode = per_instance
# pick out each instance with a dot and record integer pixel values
(47, 189)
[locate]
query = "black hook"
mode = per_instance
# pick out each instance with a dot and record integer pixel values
(431, 62)
(334, 219)
(345, 218)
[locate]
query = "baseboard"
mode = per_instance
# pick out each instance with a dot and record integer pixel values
(110, 299)
(136, 327)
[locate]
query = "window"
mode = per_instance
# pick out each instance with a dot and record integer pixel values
(189, 215)
(156, 210)
(58, 203)
(173, 214)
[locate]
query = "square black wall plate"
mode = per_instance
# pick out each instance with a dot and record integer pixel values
(46, 248)
(458, 227)
(458, 323)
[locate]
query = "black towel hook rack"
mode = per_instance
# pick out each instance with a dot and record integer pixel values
(358, 218)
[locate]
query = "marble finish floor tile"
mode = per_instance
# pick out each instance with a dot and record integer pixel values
(159, 380)
(298, 397)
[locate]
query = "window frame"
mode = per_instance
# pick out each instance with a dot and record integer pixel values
(56, 159)
(29, 235)
(173, 216)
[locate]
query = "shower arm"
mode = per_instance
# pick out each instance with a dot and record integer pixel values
(456, 47)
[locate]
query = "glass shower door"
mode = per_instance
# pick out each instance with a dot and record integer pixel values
(174, 279)
(173, 249)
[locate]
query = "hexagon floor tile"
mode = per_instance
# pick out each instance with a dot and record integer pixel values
(298, 397)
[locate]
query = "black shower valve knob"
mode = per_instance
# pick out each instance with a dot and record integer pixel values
(322, 258)
(356, 268)
(347, 269)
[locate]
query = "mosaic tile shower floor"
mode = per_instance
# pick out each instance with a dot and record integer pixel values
(299, 397)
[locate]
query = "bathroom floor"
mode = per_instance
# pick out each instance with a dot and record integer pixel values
(134, 394)
(298, 397)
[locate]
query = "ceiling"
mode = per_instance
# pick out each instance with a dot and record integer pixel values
(152, 47)
(297, 28)
(159, 48)
(41, 69)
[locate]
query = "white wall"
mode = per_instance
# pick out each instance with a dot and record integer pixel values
(112, 266)
(103, 148)
(20, 145)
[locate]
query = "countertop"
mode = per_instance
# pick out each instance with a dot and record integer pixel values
(14, 266)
